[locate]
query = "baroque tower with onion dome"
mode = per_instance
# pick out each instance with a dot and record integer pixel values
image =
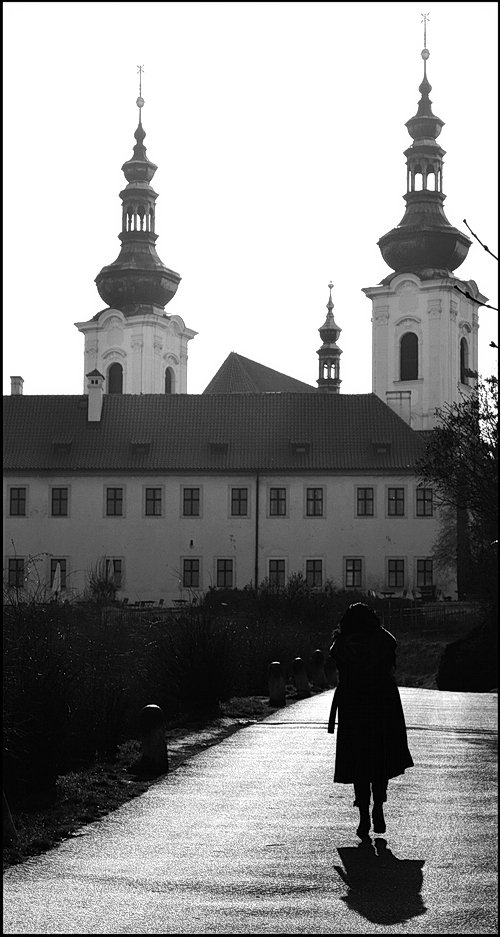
(424, 329)
(329, 353)
(133, 343)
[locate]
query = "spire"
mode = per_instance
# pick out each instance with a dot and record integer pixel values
(138, 281)
(424, 242)
(329, 353)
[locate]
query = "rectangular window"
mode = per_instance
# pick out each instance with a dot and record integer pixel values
(191, 574)
(225, 574)
(314, 572)
(59, 502)
(424, 502)
(314, 503)
(53, 568)
(424, 572)
(16, 572)
(153, 502)
(191, 502)
(239, 502)
(396, 502)
(114, 502)
(277, 572)
(18, 502)
(365, 502)
(114, 568)
(396, 574)
(353, 569)
(277, 502)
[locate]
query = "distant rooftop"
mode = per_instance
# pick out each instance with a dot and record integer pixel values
(239, 375)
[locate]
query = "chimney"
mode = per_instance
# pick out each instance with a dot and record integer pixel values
(16, 385)
(400, 402)
(95, 393)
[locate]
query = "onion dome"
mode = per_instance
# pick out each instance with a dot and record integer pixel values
(424, 242)
(138, 278)
(329, 353)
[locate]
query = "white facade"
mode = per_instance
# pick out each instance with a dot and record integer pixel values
(152, 550)
(146, 346)
(440, 317)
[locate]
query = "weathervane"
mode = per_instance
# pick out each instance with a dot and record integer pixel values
(140, 99)
(425, 52)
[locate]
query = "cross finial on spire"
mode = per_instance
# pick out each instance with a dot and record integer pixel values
(329, 304)
(425, 52)
(140, 99)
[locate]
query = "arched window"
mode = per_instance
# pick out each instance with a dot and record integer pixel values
(409, 357)
(169, 381)
(115, 379)
(464, 361)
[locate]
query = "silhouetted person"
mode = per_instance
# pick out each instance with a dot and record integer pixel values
(371, 740)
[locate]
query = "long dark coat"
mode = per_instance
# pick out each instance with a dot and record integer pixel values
(371, 739)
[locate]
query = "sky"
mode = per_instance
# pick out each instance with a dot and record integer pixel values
(278, 132)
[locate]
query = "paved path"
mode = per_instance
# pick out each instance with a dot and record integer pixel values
(252, 837)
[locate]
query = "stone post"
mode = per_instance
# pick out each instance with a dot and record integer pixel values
(154, 758)
(317, 665)
(300, 678)
(276, 682)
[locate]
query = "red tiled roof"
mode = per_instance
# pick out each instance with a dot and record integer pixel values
(343, 433)
(239, 375)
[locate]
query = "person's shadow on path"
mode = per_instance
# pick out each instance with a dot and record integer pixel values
(382, 888)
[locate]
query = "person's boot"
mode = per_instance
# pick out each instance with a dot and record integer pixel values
(364, 822)
(378, 818)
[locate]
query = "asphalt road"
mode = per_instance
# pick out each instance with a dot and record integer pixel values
(252, 837)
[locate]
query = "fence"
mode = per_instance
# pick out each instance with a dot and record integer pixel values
(433, 617)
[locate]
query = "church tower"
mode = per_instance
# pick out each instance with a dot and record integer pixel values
(132, 342)
(424, 330)
(329, 353)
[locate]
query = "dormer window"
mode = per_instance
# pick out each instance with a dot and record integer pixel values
(140, 446)
(381, 447)
(300, 447)
(219, 448)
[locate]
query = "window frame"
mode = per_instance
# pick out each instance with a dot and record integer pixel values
(314, 501)
(278, 501)
(105, 508)
(224, 585)
(53, 488)
(413, 359)
(191, 559)
(233, 488)
(145, 489)
(121, 560)
(388, 502)
(396, 572)
(359, 488)
(12, 488)
(424, 559)
(277, 559)
(197, 488)
(423, 502)
(354, 572)
(19, 570)
(314, 560)
(54, 560)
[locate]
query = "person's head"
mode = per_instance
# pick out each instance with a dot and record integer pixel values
(359, 618)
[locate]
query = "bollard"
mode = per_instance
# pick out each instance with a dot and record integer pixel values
(9, 830)
(317, 665)
(154, 758)
(276, 682)
(300, 678)
(331, 671)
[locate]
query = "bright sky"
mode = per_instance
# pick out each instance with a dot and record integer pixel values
(278, 131)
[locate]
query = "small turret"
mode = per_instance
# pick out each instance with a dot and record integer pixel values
(329, 353)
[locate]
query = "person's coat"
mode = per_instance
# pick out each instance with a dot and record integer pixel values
(371, 737)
